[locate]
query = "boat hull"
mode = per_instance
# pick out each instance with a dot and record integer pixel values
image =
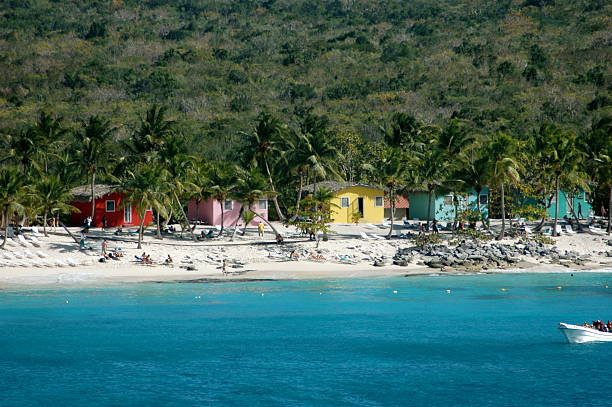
(581, 334)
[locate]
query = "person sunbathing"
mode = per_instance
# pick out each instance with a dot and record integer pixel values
(294, 256)
(168, 260)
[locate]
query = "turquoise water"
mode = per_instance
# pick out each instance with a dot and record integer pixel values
(308, 343)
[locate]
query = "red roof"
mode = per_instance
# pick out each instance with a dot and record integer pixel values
(401, 202)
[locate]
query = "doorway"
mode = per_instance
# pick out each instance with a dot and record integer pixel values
(360, 207)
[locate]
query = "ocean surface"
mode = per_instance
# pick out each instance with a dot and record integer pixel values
(367, 342)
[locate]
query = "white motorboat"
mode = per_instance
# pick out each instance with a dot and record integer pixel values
(582, 334)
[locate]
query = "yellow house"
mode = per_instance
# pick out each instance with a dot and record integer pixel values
(351, 198)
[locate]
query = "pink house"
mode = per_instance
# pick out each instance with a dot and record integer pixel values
(210, 211)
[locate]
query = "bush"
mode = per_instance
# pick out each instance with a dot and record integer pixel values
(425, 239)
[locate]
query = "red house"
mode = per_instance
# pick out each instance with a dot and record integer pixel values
(110, 206)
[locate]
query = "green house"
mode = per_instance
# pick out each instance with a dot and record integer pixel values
(579, 202)
(443, 205)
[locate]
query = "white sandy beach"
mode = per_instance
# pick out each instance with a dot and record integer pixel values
(256, 258)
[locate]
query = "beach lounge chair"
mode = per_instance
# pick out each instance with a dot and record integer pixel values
(559, 230)
(24, 242)
(547, 230)
(72, 262)
(569, 230)
(60, 263)
(377, 237)
(29, 254)
(365, 236)
(36, 232)
(41, 254)
(12, 242)
(527, 230)
(34, 240)
(596, 230)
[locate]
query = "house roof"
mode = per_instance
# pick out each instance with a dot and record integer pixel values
(401, 202)
(83, 193)
(335, 186)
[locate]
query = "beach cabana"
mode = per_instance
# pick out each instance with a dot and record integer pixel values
(401, 208)
(209, 212)
(110, 206)
(443, 205)
(351, 198)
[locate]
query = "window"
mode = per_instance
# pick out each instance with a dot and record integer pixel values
(344, 202)
(127, 213)
(228, 205)
(110, 206)
(262, 204)
(484, 199)
(379, 201)
(448, 200)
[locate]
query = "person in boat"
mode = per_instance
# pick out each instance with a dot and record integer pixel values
(609, 326)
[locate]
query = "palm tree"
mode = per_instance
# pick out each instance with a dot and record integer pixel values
(12, 192)
(53, 196)
(599, 148)
(503, 167)
(48, 131)
(264, 145)
(250, 187)
(390, 174)
(311, 154)
(562, 159)
(21, 149)
(92, 150)
(145, 188)
(222, 180)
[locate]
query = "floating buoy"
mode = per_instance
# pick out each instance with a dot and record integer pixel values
(66, 301)
(262, 294)
(394, 291)
(558, 287)
(448, 291)
(503, 289)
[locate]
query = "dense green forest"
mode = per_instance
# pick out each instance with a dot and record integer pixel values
(500, 64)
(195, 99)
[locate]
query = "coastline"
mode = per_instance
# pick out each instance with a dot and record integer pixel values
(254, 259)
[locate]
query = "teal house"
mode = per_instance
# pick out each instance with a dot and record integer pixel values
(443, 205)
(578, 201)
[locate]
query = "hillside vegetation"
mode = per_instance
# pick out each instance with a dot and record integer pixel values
(501, 65)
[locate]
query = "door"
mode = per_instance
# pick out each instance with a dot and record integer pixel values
(127, 213)
(360, 206)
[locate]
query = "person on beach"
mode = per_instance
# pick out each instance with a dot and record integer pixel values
(434, 227)
(580, 210)
(260, 229)
(82, 240)
(224, 266)
(104, 222)
(294, 256)
(168, 260)
(104, 248)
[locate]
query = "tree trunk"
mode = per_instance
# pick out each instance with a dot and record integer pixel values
(222, 218)
(571, 206)
(281, 217)
(140, 230)
(178, 201)
(6, 222)
(93, 196)
(429, 193)
(299, 198)
(236, 223)
(609, 209)
(267, 223)
(70, 233)
(478, 191)
(392, 205)
(158, 233)
(45, 224)
(503, 213)
(554, 231)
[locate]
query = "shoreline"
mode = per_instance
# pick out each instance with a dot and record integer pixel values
(251, 259)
